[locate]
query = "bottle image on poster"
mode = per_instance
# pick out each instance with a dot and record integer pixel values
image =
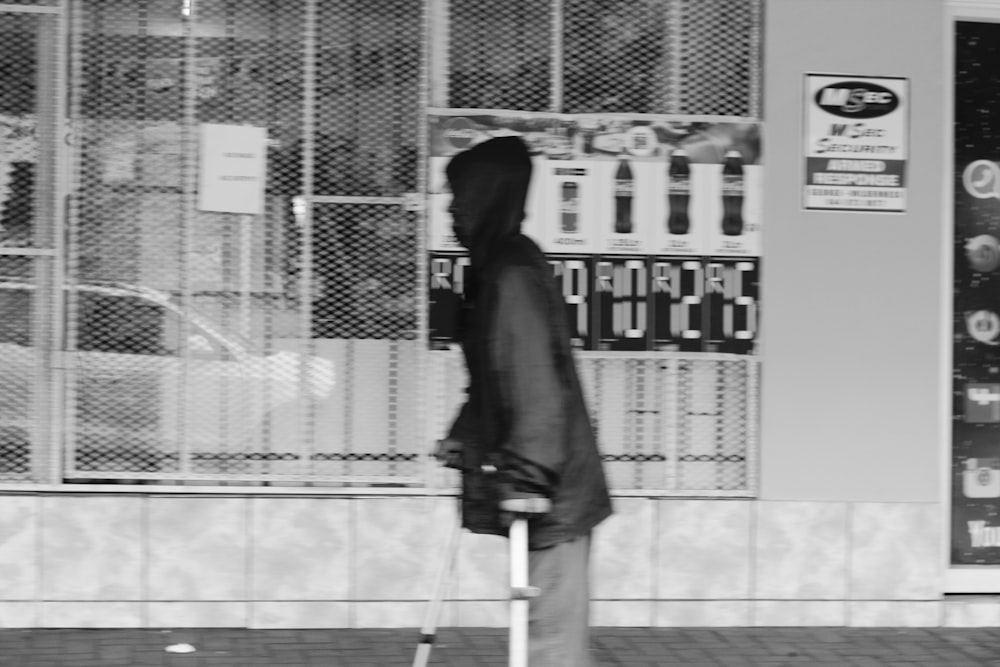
(732, 197)
(732, 194)
(679, 197)
(622, 208)
(681, 223)
(624, 201)
(561, 207)
(569, 207)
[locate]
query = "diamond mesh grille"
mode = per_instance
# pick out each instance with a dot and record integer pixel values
(719, 51)
(500, 55)
(23, 382)
(28, 337)
(638, 56)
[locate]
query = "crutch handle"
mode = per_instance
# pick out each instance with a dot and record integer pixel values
(526, 505)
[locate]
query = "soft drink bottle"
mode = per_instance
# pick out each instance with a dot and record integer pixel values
(623, 198)
(679, 190)
(569, 206)
(732, 194)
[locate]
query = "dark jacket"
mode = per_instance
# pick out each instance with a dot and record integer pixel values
(525, 417)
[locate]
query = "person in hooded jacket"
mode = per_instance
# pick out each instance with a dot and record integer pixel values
(524, 430)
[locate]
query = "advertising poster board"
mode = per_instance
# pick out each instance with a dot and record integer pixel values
(975, 451)
(633, 211)
(856, 143)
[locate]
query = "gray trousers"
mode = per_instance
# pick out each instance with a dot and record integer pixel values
(559, 618)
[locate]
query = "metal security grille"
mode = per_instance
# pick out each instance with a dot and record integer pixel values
(718, 49)
(29, 103)
(679, 426)
(212, 342)
(287, 343)
(686, 426)
(695, 57)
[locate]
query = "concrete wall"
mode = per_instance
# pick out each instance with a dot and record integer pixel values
(852, 325)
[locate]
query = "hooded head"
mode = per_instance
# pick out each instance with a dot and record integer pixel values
(489, 184)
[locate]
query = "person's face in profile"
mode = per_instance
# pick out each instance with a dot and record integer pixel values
(461, 210)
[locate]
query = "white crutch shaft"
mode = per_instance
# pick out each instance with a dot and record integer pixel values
(433, 613)
(520, 592)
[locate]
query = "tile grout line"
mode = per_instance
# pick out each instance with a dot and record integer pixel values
(39, 561)
(352, 540)
(848, 563)
(249, 610)
(145, 613)
(654, 548)
(752, 559)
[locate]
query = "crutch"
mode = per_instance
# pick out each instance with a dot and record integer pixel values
(521, 592)
(433, 613)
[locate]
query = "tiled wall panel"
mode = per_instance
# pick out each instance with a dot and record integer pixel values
(19, 548)
(198, 549)
(92, 548)
(704, 550)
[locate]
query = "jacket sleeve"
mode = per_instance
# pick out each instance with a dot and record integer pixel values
(527, 389)
(465, 429)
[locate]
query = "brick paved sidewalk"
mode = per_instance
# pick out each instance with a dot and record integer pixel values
(465, 647)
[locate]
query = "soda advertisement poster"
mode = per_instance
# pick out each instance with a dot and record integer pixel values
(856, 143)
(618, 183)
(975, 452)
(652, 223)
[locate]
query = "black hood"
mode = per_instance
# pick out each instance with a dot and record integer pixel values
(489, 183)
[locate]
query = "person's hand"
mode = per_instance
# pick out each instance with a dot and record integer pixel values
(449, 453)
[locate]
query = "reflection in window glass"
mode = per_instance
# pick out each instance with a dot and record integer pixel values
(15, 327)
(122, 325)
(18, 127)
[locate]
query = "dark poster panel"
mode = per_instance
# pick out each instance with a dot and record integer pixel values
(574, 274)
(449, 277)
(621, 296)
(446, 287)
(732, 292)
(976, 311)
(678, 304)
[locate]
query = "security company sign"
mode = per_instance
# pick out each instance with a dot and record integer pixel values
(856, 143)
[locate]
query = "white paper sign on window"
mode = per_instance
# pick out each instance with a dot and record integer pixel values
(233, 168)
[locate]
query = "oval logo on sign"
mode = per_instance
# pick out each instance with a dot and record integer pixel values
(856, 99)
